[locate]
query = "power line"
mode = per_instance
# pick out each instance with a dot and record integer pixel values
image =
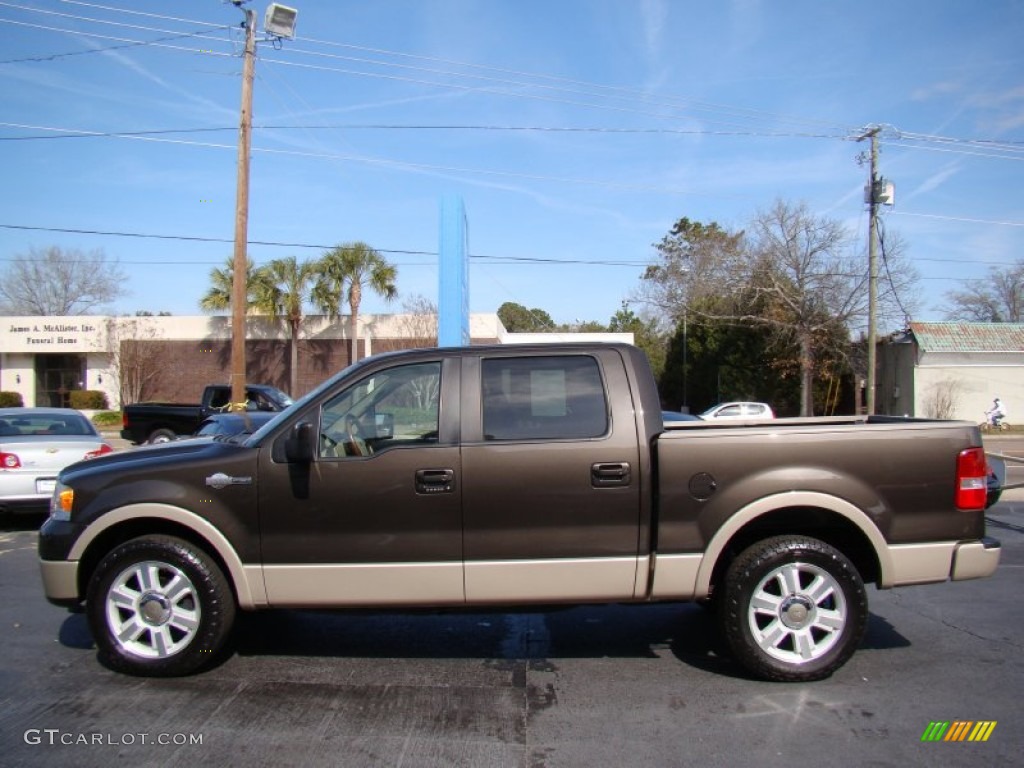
(82, 134)
(562, 84)
(958, 218)
(400, 164)
(320, 246)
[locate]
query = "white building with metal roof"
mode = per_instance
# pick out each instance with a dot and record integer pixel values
(952, 370)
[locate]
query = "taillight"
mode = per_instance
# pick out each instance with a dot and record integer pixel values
(104, 448)
(10, 461)
(971, 479)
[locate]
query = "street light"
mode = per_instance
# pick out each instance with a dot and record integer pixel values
(279, 22)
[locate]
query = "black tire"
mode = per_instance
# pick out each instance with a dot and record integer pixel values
(161, 436)
(159, 606)
(794, 609)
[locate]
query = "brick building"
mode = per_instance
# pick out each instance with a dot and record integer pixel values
(172, 358)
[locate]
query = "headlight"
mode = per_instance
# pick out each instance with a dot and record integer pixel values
(61, 502)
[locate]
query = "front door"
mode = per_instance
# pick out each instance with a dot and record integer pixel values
(376, 518)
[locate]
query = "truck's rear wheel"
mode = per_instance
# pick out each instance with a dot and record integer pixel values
(159, 606)
(161, 436)
(794, 609)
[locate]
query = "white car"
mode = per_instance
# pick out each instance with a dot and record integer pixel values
(739, 411)
(35, 445)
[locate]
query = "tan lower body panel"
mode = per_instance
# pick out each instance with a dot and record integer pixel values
(538, 581)
(675, 577)
(373, 584)
(921, 563)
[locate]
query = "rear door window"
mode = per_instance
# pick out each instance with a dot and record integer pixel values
(547, 397)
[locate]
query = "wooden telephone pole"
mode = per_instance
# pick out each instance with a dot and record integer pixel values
(873, 184)
(239, 287)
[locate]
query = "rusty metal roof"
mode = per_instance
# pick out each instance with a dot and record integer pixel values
(969, 337)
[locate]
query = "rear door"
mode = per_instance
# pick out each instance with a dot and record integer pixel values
(551, 477)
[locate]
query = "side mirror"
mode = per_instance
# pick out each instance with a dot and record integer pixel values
(298, 448)
(384, 424)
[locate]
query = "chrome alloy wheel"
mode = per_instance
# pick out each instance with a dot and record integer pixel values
(152, 610)
(797, 613)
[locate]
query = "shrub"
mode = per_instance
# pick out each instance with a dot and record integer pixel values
(107, 419)
(89, 400)
(11, 400)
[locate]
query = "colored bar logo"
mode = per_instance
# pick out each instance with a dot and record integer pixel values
(958, 730)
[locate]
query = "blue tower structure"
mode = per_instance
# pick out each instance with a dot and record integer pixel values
(453, 282)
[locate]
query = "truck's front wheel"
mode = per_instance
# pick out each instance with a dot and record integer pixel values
(794, 609)
(159, 606)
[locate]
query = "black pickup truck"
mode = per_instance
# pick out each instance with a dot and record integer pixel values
(163, 422)
(516, 475)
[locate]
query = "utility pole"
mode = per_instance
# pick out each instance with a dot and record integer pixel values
(239, 289)
(873, 184)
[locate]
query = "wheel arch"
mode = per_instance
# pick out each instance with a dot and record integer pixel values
(133, 521)
(828, 518)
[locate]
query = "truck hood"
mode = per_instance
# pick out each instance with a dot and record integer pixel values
(174, 456)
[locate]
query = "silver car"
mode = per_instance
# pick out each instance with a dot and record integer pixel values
(742, 410)
(36, 444)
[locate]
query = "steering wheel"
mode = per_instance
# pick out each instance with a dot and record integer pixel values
(355, 442)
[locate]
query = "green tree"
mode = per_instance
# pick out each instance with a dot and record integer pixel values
(646, 336)
(347, 270)
(218, 297)
(518, 319)
(282, 288)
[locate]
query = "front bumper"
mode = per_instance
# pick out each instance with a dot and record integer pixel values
(975, 559)
(60, 581)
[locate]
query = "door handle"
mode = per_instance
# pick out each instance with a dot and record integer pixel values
(610, 474)
(430, 481)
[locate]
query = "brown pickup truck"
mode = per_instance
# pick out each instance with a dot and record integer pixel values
(516, 475)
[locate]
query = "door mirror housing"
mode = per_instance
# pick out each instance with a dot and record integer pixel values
(298, 448)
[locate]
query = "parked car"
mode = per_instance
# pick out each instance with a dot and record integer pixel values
(36, 444)
(232, 424)
(739, 411)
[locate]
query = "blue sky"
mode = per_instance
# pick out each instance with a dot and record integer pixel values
(576, 132)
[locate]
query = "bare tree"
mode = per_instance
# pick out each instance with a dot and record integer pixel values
(997, 299)
(419, 320)
(943, 399)
(136, 358)
(52, 281)
(792, 272)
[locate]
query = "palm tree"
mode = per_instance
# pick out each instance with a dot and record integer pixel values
(356, 265)
(281, 288)
(218, 298)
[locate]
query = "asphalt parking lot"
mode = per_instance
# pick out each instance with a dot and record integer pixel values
(587, 686)
(601, 685)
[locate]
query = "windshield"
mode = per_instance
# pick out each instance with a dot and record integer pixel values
(279, 396)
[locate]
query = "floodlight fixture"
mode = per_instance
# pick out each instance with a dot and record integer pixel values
(279, 21)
